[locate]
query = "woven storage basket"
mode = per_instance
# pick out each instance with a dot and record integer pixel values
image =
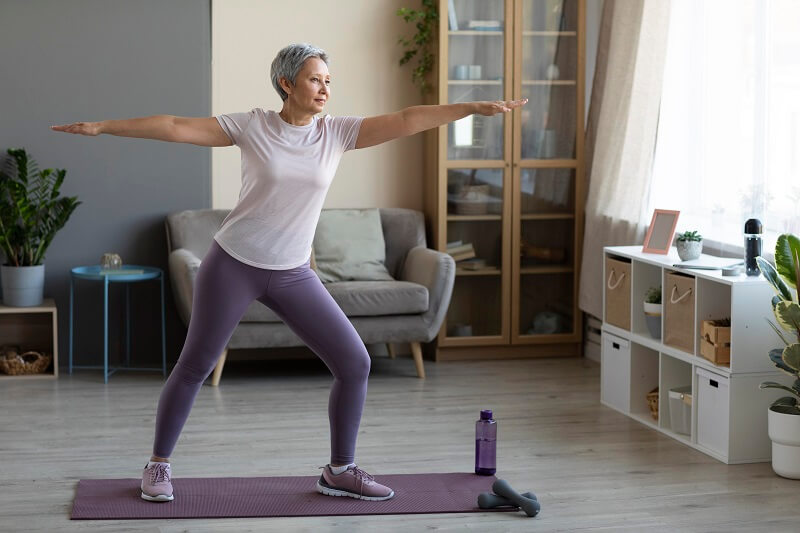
(652, 402)
(473, 200)
(16, 364)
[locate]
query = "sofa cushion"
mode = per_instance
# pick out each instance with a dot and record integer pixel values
(361, 298)
(349, 246)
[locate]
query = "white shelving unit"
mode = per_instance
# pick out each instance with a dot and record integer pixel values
(729, 411)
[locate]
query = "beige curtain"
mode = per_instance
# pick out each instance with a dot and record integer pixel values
(621, 133)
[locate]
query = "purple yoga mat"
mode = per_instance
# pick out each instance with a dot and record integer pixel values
(240, 497)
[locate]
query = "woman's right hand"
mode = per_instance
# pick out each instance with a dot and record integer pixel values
(82, 128)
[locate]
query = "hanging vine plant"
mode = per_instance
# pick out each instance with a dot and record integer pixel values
(419, 45)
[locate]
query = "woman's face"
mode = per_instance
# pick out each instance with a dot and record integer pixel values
(312, 86)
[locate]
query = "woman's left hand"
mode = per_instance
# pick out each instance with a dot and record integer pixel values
(498, 106)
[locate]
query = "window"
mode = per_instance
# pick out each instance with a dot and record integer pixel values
(728, 145)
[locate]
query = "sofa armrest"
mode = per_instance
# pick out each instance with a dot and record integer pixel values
(436, 271)
(183, 267)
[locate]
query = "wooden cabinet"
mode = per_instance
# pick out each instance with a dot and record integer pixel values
(31, 328)
(506, 188)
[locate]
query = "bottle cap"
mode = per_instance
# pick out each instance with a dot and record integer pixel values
(486, 414)
(753, 225)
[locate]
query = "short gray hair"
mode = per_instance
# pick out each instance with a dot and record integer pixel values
(289, 61)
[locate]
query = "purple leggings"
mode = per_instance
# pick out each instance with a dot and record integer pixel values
(224, 289)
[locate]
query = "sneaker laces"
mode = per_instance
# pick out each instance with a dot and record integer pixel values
(360, 474)
(158, 473)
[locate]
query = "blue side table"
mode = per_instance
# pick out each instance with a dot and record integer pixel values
(93, 273)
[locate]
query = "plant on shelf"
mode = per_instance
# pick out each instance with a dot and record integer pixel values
(31, 213)
(690, 244)
(652, 311)
(784, 413)
(420, 44)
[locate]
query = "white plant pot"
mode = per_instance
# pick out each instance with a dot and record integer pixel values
(652, 316)
(688, 250)
(784, 431)
(22, 286)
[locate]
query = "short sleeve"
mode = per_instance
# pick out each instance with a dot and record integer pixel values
(235, 124)
(346, 130)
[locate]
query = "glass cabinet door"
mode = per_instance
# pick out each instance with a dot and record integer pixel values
(549, 52)
(544, 277)
(475, 67)
(476, 167)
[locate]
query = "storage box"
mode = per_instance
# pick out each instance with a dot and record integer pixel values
(713, 410)
(618, 292)
(615, 372)
(678, 296)
(715, 342)
(680, 409)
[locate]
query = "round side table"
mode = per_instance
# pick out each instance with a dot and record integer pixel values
(97, 273)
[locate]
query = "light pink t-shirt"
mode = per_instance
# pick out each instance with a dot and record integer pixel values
(286, 173)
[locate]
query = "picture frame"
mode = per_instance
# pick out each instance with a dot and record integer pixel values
(661, 231)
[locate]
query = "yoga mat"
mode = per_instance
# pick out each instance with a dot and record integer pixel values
(240, 497)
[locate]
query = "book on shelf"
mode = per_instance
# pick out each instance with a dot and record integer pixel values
(120, 271)
(454, 243)
(485, 25)
(451, 15)
(460, 248)
(462, 255)
(475, 263)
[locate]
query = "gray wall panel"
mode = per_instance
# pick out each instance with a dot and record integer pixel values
(87, 60)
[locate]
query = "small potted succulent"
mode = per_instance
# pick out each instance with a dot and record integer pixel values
(690, 244)
(652, 311)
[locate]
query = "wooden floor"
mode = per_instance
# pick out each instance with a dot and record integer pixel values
(592, 468)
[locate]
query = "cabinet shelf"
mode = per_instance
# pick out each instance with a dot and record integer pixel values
(473, 218)
(475, 82)
(556, 269)
(547, 216)
(482, 33)
(482, 272)
(545, 33)
(548, 82)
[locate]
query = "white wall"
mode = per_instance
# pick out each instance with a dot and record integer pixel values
(360, 38)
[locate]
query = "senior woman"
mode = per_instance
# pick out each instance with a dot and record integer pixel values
(262, 249)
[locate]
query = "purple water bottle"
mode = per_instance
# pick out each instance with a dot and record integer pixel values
(486, 444)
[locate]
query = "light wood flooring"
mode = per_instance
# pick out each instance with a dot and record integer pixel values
(592, 468)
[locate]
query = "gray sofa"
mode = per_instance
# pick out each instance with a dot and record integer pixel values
(409, 309)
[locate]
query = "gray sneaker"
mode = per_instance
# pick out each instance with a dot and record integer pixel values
(354, 483)
(157, 483)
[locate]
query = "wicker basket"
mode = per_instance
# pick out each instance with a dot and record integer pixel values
(652, 401)
(472, 200)
(14, 363)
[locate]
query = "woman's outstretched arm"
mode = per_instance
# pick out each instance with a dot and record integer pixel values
(411, 120)
(199, 131)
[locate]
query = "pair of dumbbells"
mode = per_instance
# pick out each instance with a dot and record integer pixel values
(504, 495)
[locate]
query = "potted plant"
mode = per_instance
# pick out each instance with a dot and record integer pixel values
(690, 244)
(419, 45)
(31, 213)
(652, 311)
(784, 414)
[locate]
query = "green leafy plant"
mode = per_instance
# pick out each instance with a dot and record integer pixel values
(425, 20)
(690, 236)
(31, 211)
(653, 295)
(784, 276)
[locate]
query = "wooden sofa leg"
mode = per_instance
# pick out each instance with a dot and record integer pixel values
(218, 369)
(416, 350)
(390, 349)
